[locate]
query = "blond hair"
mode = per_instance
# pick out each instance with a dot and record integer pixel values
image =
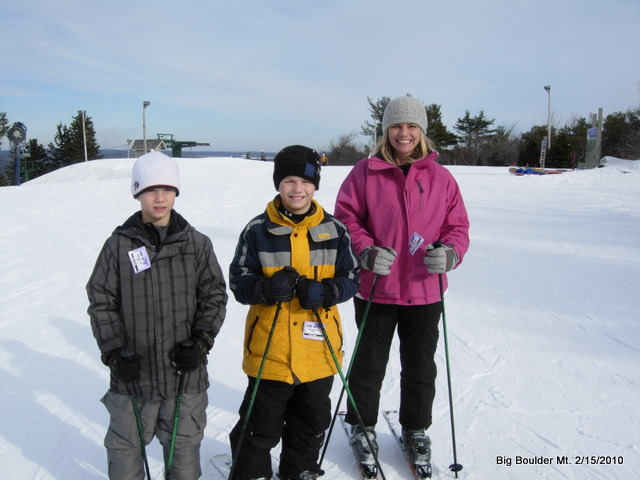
(385, 151)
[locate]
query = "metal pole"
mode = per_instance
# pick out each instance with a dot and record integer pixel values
(455, 466)
(548, 89)
(18, 148)
(145, 104)
(84, 134)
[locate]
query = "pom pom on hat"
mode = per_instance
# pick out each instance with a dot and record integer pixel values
(404, 110)
(299, 161)
(154, 169)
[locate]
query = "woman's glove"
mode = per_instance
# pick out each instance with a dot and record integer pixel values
(378, 259)
(440, 258)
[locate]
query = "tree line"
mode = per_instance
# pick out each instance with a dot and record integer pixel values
(67, 148)
(476, 140)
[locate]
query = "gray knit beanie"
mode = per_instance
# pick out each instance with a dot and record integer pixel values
(404, 110)
(154, 169)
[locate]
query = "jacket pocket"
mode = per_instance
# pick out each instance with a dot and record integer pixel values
(252, 327)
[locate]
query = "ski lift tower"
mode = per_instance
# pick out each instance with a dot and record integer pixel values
(17, 135)
(177, 145)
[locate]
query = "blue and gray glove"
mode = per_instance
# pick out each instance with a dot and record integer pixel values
(313, 294)
(440, 258)
(281, 286)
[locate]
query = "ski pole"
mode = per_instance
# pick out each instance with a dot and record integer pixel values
(346, 387)
(455, 466)
(176, 416)
(254, 392)
(127, 354)
(353, 357)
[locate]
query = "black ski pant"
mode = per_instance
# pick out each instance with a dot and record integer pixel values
(418, 335)
(298, 414)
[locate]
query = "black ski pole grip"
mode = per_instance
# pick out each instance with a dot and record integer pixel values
(187, 343)
(126, 353)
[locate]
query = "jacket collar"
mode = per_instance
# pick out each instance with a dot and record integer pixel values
(377, 163)
(280, 224)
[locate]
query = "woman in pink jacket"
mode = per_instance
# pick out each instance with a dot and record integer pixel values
(409, 225)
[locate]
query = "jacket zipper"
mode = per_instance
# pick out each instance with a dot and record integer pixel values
(421, 192)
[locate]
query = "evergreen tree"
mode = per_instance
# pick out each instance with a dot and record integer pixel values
(39, 162)
(569, 146)
(61, 148)
(374, 130)
(68, 146)
(475, 134)
(621, 134)
(530, 144)
(437, 131)
(4, 126)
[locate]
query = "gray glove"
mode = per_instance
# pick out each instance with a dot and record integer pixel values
(378, 259)
(440, 258)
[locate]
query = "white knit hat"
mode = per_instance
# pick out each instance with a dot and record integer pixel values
(404, 110)
(154, 169)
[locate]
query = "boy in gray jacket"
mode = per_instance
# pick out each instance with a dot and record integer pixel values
(157, 299)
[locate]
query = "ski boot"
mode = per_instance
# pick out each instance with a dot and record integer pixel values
(306, 475)
(417, 444)
(359, 444)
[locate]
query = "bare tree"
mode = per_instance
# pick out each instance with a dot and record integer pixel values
(344, 150)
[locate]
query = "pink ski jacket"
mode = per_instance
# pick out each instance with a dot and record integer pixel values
(382, 207)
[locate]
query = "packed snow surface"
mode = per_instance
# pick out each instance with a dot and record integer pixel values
(542, 321)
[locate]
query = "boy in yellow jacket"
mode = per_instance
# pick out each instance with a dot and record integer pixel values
(293, 263)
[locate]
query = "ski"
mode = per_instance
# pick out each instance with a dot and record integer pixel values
(367, 464)
(421, 469)
(222, 463)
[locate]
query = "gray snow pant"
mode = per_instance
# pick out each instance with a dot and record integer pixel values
(123, 441)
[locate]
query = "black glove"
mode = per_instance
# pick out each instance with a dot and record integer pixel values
(310, 293)
(281, 286)
(186, 356)
(125, 364)
(331, 293)
(203, 340)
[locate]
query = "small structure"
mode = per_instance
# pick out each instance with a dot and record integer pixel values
(176, 146)
(138, 146)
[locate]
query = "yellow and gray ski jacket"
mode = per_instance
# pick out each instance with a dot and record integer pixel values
(318, 247)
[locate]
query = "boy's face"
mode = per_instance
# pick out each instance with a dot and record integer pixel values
(156, 205)
(296, 194)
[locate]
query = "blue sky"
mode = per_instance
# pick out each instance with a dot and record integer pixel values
(263, 74)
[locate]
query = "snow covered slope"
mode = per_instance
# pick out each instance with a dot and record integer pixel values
(542, 315)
